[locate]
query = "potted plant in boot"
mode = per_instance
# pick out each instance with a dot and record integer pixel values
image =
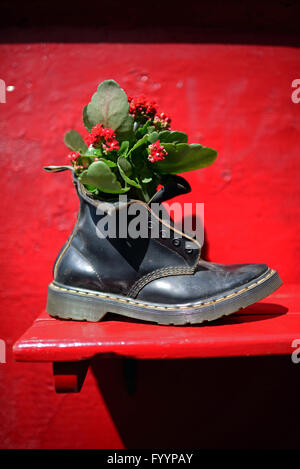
(124, 254)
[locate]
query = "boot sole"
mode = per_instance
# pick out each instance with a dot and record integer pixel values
(79, 304)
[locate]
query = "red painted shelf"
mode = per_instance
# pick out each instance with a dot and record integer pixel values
(266, 328)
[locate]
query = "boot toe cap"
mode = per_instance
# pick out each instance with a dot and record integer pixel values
(214, 280)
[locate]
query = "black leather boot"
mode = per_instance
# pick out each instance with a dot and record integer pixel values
(157, 278)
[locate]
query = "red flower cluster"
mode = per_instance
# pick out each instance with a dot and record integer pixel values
(99, 135)
(157, 152)
(141, 108)
(75, 160)
(162, 121)
(73, 157)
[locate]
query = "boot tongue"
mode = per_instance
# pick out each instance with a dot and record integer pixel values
(172, 186)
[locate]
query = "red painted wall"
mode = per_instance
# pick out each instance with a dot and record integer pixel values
(235, 98)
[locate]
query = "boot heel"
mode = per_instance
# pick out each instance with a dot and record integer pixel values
(64, 305)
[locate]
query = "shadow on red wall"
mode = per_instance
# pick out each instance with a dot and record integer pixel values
(208, 403)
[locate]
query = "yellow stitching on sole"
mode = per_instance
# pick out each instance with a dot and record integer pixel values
(167, 308)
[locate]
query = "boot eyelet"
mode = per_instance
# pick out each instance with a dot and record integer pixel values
(176, 242)
(150, 224)
(189, 251)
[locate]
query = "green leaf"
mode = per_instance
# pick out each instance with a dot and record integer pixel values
(96, 151)
(151, 129)
(75, 142)
(85, 119)
(92, 189)
(153, 137)
(167, 136)
(124, 148)
(91, 151)
(147, 128)
(125, 169)
(101, 176)
(109, 163)
(86, 160)
(146, 175)
(183, 157)
(139, 143)
(138, 161)
(109, 106)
